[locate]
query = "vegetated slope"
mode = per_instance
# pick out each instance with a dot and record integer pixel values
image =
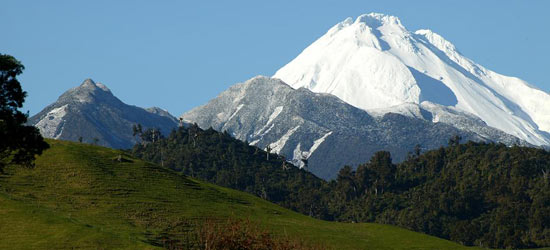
(374, 62)
(330, 133)
(92, 112)
(474, 193)
(220, 159)
(83, 196)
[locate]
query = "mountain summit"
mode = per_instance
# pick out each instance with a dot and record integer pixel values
(300, 124)
(88, 92)
(92, 112)
(376, 64)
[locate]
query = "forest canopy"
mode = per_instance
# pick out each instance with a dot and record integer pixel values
(488, 195)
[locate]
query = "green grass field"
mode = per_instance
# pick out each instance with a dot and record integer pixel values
(80, 196)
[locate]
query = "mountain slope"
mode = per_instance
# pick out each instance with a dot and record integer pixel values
(220, 159)
(298, 123)
(482, 194)
(92, 111)
(374, 62)
(79, 196)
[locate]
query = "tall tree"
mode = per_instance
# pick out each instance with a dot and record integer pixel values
(18, 143)
(381, 165)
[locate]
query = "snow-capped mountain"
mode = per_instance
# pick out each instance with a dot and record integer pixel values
(376, 64)
(91, 111)
(330, 133)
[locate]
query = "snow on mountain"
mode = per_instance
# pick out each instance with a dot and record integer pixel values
(162, 112)
(91, 111)
(53, 125)
(330, 133)
(376, 64)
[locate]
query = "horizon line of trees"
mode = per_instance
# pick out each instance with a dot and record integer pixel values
(482, 194)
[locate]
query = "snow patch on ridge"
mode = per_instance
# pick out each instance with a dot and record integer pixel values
(406, 109)
(437, 40)
(220, 116)
(235, 113)
(297, 156)
(103, 87)
(272, 117)
(51, 126)
(253, 143)
(318, 142)
(279, 144)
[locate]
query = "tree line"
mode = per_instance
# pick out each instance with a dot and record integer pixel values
(488, 195)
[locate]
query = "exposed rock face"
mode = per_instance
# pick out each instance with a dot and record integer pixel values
(298, 123)
(91, 111)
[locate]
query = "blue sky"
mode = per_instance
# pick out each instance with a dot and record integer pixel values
(180, 54)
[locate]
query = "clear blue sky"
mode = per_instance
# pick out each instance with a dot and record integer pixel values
(180, 54)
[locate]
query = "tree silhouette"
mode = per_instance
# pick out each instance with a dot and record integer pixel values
(137, 129)
(285, 166)
(19, 143)
(268, 151)
(381, 165)
(194, 133)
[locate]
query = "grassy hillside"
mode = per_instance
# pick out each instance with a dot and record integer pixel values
(81, 196)
(473, 193)
(220, 159)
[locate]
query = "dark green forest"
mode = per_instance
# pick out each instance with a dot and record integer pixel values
(220, 159)
(475, 194)
(480, 194)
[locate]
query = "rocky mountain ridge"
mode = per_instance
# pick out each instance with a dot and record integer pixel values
(330, 133)
(92, 112)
